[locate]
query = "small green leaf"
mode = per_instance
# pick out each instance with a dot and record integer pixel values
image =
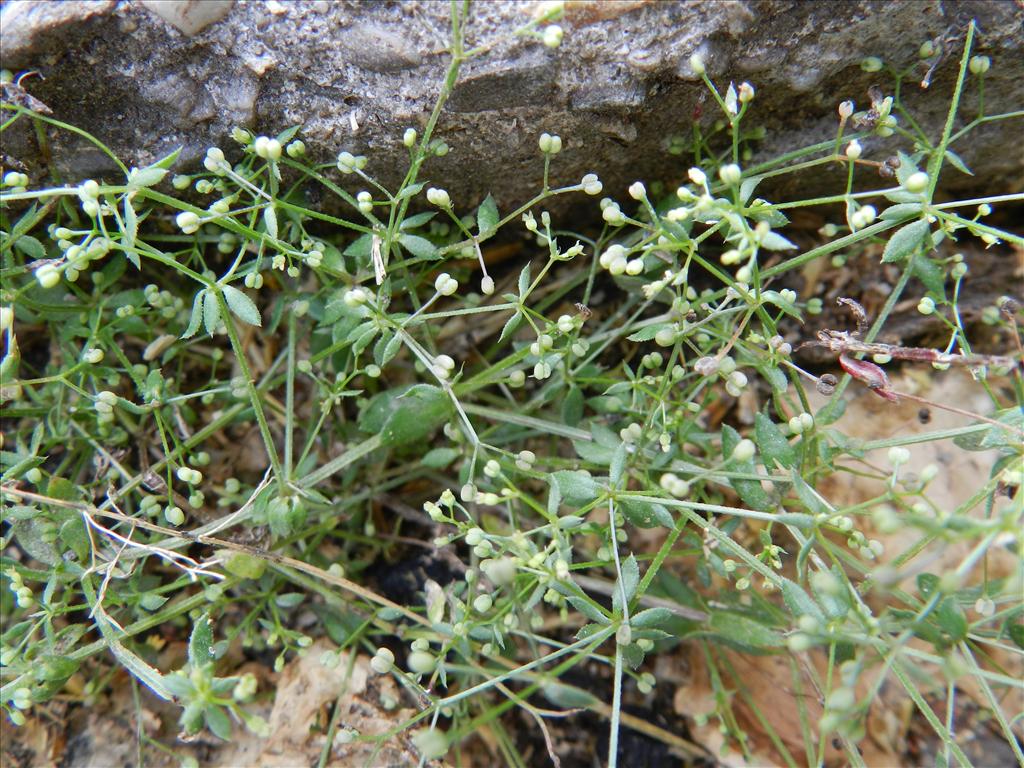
(217, 721)
(288, 133)
(405, 415)
(167, 160)
(773, 241)
(289, 599)
(930, 274)
(179, 685)
(418, 246)
(439, 458)
(588, 630)
(648, 333)
(270, 221)
(651, 617)
(588, 609)
(200, 643)
(242, 306)
(417, 220)
(577, 487)
(487, 217)
(74, 534)
(410, 191)
(572, 406)
(524, 281)
(360, 247)
(627, 584)
(957, 162)
(836, 605)
(951, 620)
(811, 501)
(31, 247)
(905, 241)
(152, 602)
(211, 312)
(131, 225)
(901, 211)
(646, 514)
(1016, 633)
(773, 445)
(799, 602)
(994, 437)
(511, 326)
(743, 631)
(618, 465)
(747, 187)
(927, 583)
(633, 655)
(145, 177)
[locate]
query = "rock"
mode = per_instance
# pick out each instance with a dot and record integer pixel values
(190, 16)
(619, 89)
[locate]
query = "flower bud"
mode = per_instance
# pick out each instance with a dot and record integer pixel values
(591, 184)
(744, 450)
(439, 197)
(47, 275)
(730, 174)
(871, 64)
(917, 182)
(979, 65)
(552, 36)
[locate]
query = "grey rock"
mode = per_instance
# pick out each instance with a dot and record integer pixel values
(619, 88)
(190, 17)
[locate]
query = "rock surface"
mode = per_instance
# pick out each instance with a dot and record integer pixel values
(617, 90)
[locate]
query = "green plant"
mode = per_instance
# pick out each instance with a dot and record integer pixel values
(175, 324)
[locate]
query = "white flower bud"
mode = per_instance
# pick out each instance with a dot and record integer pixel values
(637, 190)
(591, 184)
(697, 176)
(409, 137)
(898, 455)
(730, 174)
(917, 182)
(854, 149)
(47, 275)
(744, 450)
(552, 36)
(439, 197)
(697, 64)
(188, 222)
